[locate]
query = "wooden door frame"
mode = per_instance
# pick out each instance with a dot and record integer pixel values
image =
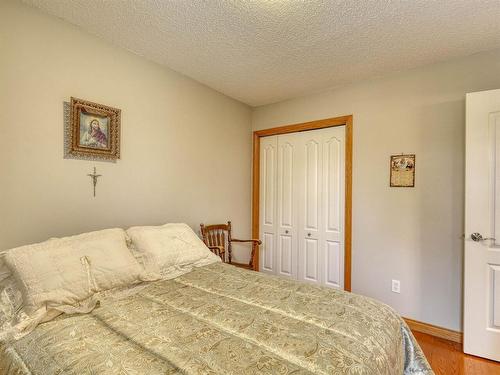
(312, 125)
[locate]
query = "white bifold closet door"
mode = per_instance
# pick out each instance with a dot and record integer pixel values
(302, 205)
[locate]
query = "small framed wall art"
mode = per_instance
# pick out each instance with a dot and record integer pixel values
(94, 131)
(402, 170)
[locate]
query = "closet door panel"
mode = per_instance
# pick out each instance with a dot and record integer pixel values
(333, 272)
(285, 183)
(267, 208)
(311, 183)
(285, 255)
(268, 258)
(332, 178)
(287, 206)
(309, 186)
(269, 181)
(332, 239)
(311, 260)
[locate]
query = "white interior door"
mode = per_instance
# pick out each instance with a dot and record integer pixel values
(482, 225)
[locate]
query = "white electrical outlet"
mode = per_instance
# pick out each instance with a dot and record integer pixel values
(396, 286)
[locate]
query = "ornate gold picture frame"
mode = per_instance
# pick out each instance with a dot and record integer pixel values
(402, 170)
(94, 130)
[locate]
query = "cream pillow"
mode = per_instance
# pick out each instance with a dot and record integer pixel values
(64, 273)
(10, 299)
(170, 246)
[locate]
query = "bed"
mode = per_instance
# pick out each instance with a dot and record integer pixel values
(219, 319)
(154, 300)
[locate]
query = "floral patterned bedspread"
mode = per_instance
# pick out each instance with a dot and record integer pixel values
(219, 319)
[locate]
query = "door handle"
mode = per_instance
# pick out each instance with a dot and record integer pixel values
(286, 231)
(477, 237)
(308, 234)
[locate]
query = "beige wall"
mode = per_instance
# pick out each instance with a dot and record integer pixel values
(186, 150)
(408, 234)
(186, 155)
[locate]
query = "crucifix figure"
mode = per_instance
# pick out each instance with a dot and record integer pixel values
(94, 177)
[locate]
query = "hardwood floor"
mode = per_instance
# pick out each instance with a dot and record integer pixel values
(446, 357)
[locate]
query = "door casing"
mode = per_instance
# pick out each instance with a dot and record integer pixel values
(312, 125)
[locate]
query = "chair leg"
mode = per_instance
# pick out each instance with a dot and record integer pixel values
(252, 255)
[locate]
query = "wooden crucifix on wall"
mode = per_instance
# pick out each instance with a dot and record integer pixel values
(94, 177)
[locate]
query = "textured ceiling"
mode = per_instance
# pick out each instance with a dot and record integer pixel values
(264, 51)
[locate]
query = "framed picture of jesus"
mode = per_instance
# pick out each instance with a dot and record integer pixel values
(95, 130)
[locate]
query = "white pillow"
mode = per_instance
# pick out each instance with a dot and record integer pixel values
(64, 273)
(169, 246)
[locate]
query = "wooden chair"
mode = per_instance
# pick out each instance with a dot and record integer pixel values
(218, 239)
